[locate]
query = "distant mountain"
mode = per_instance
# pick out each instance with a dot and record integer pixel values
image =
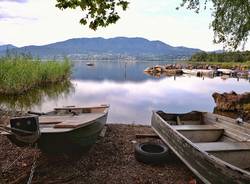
(4, 48)
(113, 48)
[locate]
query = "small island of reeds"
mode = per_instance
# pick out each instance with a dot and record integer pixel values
(18, 74)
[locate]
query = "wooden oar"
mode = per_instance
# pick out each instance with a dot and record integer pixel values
(36, 113)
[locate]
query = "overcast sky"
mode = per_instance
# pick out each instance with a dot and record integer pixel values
(39, 22)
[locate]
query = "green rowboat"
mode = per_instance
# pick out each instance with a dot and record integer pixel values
(68, 129)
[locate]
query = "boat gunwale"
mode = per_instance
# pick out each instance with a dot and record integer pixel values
(106, 106)
(208, 156)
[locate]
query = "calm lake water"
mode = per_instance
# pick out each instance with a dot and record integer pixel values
(132, 95)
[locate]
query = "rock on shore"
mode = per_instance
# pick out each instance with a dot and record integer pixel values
(233, 102)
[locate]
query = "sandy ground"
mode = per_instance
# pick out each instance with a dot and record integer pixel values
(111, 160)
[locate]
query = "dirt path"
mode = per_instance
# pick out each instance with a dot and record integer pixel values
(110, 161)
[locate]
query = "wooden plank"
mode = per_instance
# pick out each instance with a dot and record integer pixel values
(68, 121)
(223, 146)
(227, 124)
(200, 133)
(233, 130)
(225, 119)
(236, 136)
(196, 127)
(147, 136)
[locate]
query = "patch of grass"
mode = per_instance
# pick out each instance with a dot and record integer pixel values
(18, 74)
(246, 107)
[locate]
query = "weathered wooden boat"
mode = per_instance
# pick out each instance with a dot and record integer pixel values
(199, 72)
(225, 71)
(67, 129)
(214, 147)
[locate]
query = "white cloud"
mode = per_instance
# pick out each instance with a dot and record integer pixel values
(40, 22)
(139, 99)
(16, 1)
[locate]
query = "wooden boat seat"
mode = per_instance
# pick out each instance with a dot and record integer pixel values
(195, 127)
(200, 133)
(223, 146)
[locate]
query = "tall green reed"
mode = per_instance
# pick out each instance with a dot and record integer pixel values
(21, 73)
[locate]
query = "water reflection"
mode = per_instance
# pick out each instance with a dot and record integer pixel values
(37, 97)
(132, 94)
(134, 101)
(115, 71)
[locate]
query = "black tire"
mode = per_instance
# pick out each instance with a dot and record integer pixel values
(151, 153)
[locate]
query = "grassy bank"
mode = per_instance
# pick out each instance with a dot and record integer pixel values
(229, 65)
(20, 73)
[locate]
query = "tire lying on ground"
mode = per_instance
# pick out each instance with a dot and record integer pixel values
(151, 153)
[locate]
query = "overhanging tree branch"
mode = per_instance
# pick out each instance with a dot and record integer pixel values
(231, 23)
(97, 13)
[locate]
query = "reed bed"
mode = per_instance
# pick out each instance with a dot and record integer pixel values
(18, 74)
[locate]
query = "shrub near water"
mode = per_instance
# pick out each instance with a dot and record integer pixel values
(20, 73)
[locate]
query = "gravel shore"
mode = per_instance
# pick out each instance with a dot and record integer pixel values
(111, 160)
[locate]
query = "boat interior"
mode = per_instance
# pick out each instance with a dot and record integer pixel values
(62, 119)
(70, 117)
(222, 137)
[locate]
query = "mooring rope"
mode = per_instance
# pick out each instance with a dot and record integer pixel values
(33, 167)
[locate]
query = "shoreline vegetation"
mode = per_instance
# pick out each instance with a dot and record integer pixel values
(227, 65)
(19, 74)
(228, 60)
